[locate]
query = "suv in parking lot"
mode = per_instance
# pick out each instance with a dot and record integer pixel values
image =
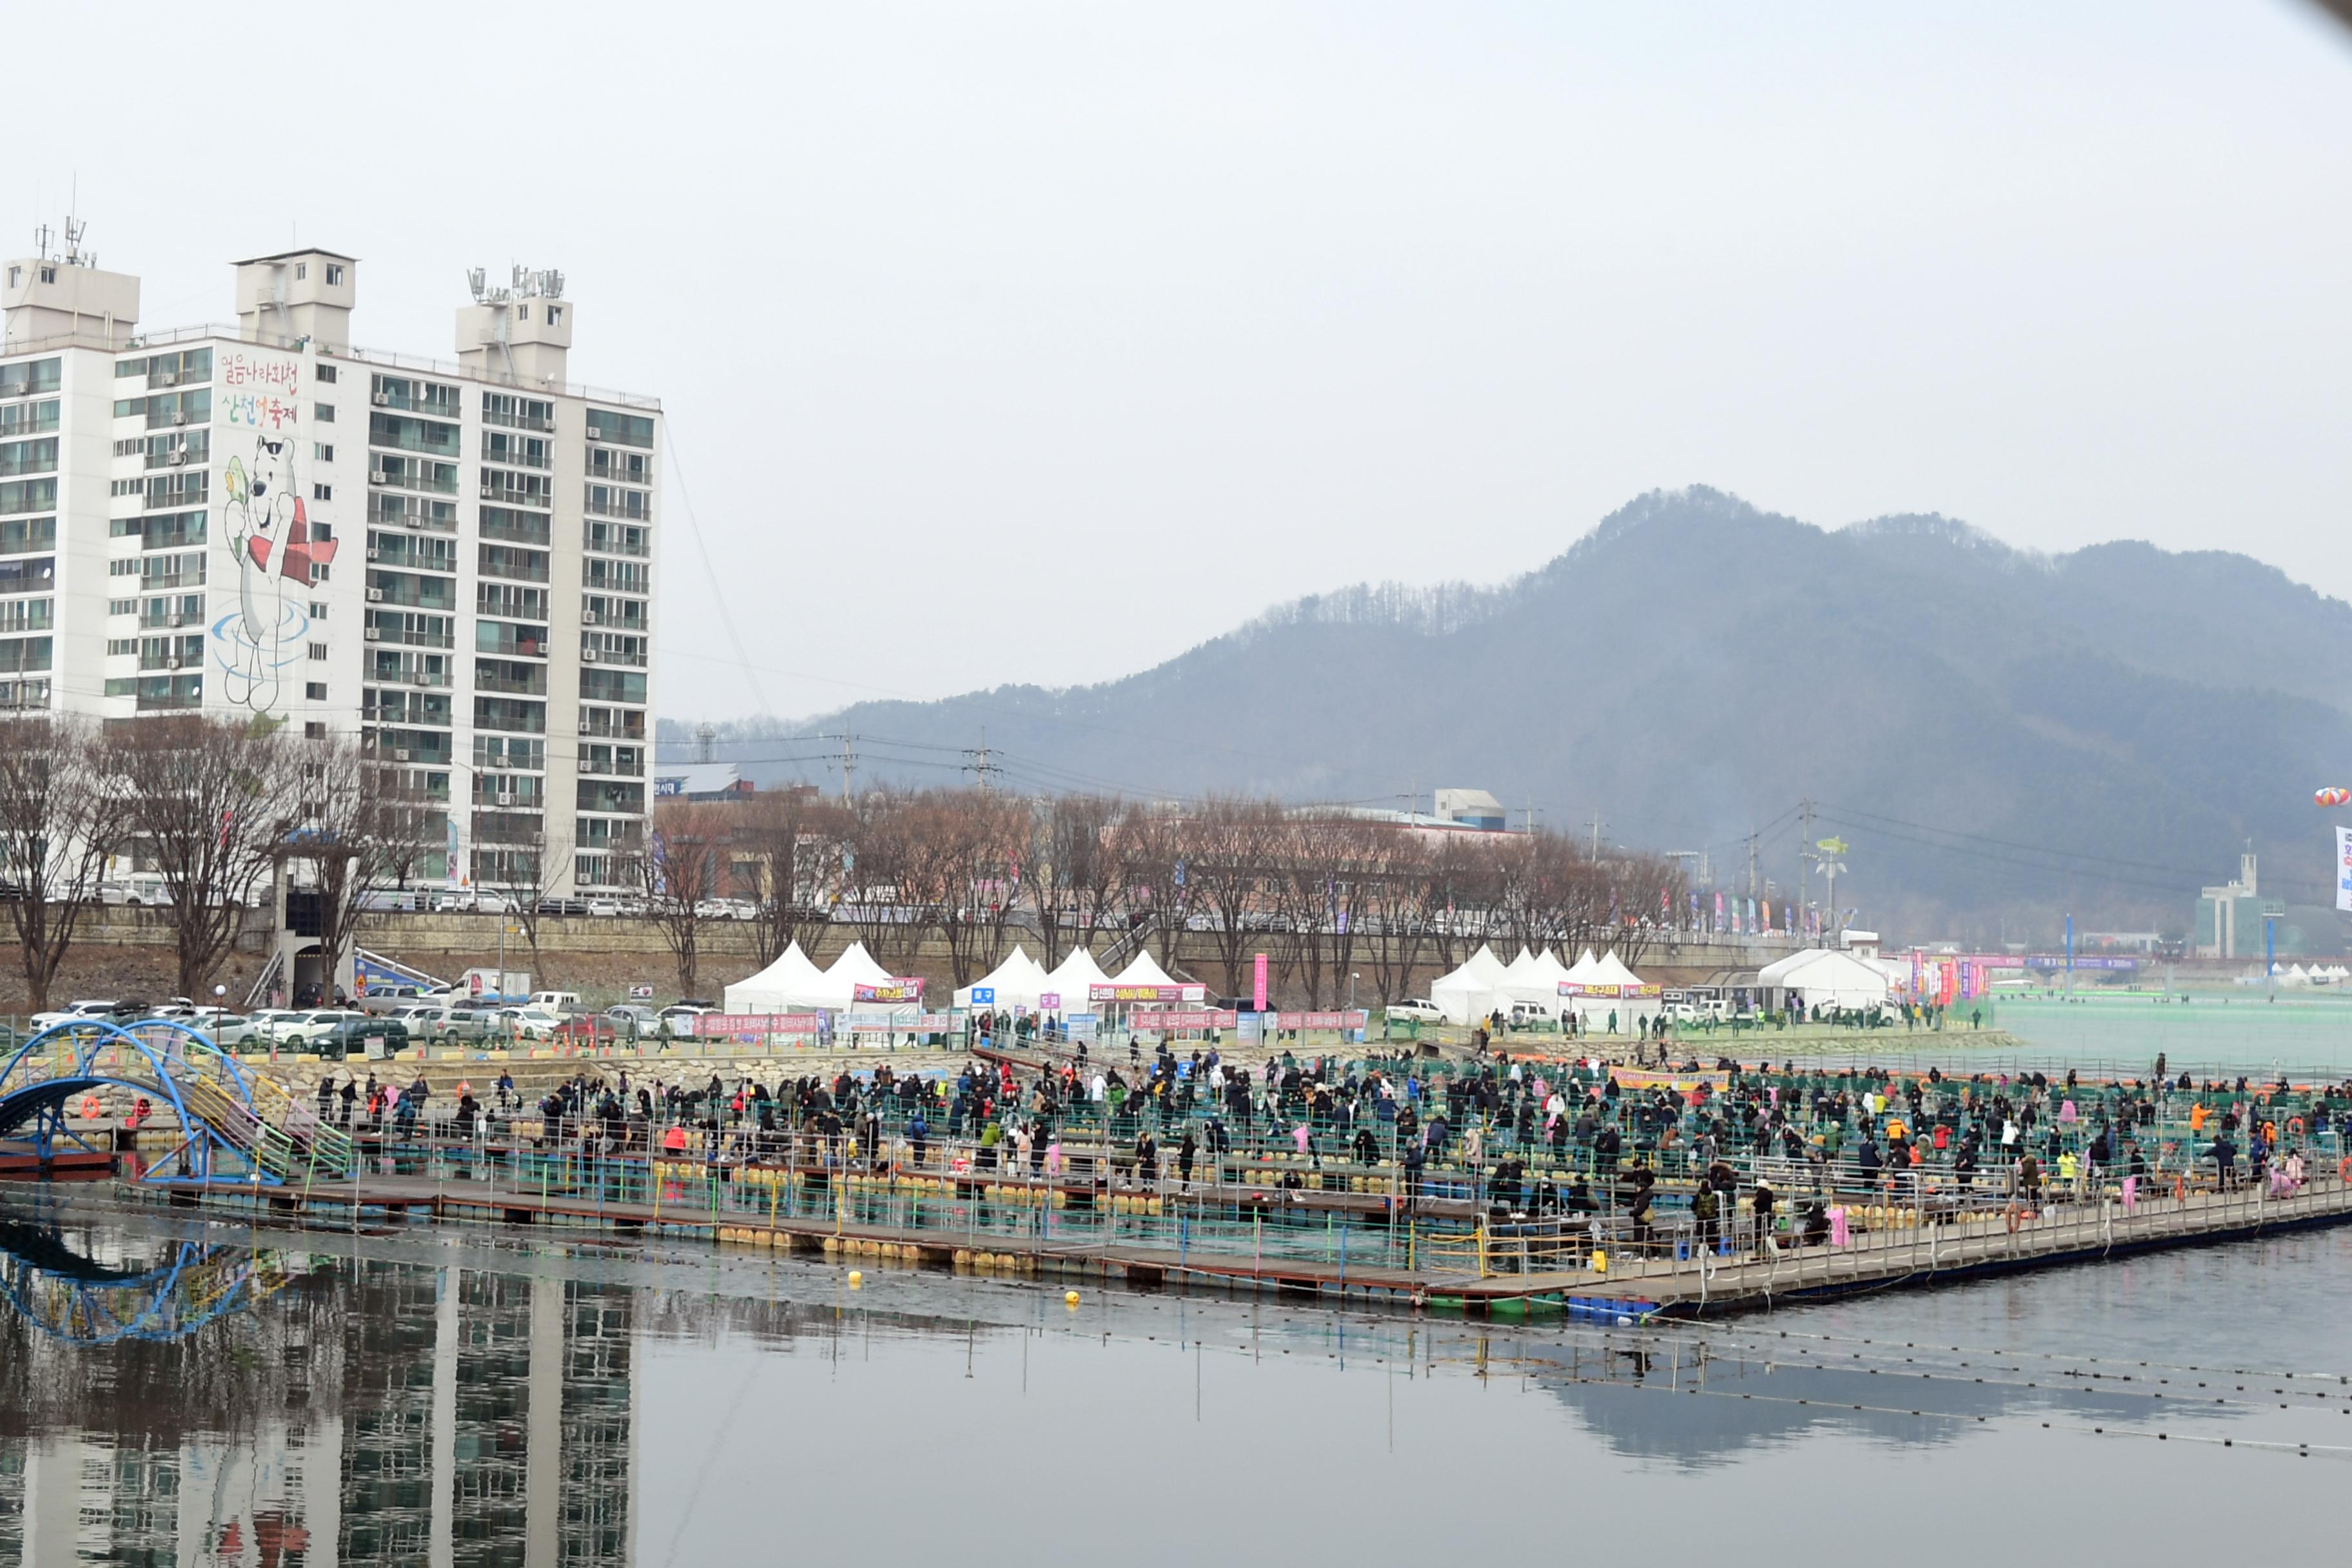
(1416, 1010)
(361, 1036)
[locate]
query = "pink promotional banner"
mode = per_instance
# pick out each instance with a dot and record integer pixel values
(1257, 984)
(1146, 995)
(759, 1023)
(904, 988)
(1354, 1020)
(1183, 1018)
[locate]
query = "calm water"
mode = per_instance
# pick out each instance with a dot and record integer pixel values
(2241, 1028)
(196, 1394)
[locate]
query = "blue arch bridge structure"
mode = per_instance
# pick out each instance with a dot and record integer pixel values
(231, 1125)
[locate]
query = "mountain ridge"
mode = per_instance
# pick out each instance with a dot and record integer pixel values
(1694, 666)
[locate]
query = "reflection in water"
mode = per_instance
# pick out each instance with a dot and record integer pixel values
(371, 1411)
(214, 1393)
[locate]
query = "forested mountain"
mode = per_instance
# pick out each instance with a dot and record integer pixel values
(1694, 668)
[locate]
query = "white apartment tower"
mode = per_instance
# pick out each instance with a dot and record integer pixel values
(451, 561)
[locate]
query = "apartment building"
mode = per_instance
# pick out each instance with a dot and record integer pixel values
(450, 560)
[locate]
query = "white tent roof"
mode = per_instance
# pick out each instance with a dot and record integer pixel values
(1072, 976)
(790, 984)
(1528, 980)
(1583, 970)
(1611, 971)
(1016, 982)
(857, 966)
(1143, 972)
(1470, 991)
(1550, 970)
(1825, 976)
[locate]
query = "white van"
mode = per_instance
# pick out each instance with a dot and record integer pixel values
(560, 1002)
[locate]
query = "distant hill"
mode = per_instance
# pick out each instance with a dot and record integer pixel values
(1695, 666)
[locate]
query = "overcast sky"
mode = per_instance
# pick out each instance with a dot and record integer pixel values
(1038, 343)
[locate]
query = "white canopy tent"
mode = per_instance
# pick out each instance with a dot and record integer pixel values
(791, 985)
(854, 968)
(1822, 977)
(1071, 978)
(1144, 972)
(1469, 993)
(1527, 978)
(1632, 1014)
(1016, 982)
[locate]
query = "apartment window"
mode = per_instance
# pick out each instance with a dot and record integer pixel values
(121, 606)
(15, 276)
(314, 690)
(117, 647)
(312, 730)
(317, 610)
(555, 315)
(335, 281)
(301, 270)
(48, 274)
(322, 492)
(317, 650)
(325, 411)
(319, 570)
(523, 312)
(322, 452)
(327, 372)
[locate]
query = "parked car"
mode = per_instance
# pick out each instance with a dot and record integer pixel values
(1416, 1010)
(604, 908)
(535, 1024)
(1533, 1015)
(629, 1021)
(358, 1036)
(298, 1031)
(229, 1031)
(683, 1018)
(108, 1009)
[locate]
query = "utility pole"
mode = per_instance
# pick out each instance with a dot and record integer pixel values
(980, 766)
(1595, 824)
(847, 758)
(1804, 864)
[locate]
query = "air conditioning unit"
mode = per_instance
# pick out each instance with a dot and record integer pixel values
(400, 755)
(374, 554)
(489, 491)
(378, 477)
(374, 634)
(175, 459)
(179, 416)
(171, 664)
(586, 766)
(587, 655)
(410, 520)
(420, 678)
(591, 618)
(176, 621)
(383, 400)
(375, 596)
(506, 799)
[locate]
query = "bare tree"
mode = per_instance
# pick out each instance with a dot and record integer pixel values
(208, 799)
(792, 840)
(878, 856)
(955, 868)
(683, 868)
(1074, 871)
(1228, 843)
(358, 826)
(1153, 882)
(57, 828)
(1392, 903)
